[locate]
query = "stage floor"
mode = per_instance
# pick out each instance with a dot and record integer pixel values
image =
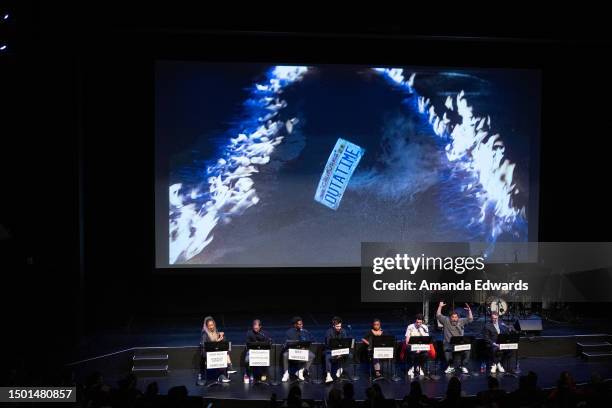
(548, 370)
(184, 332)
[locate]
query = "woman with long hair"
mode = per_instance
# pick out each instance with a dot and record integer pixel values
(211, 334)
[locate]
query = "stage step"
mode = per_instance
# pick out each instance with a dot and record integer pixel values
(591, 347)
(139, 357)
(148, 351)
(150, 362)
(593, 338)
(597, 356)
(151, 370)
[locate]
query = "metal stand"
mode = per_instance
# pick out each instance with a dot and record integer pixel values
(428, 376)
(517, 369)
(205, 382)
(355, 375)
(317, 377)
(395, 377)
(212, 383)
(274, 367)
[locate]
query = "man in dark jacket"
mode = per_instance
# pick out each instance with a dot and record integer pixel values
(492, 330)
(296, 333)
(336, 331)
(255, 335)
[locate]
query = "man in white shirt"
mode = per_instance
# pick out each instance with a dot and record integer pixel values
(416, 359)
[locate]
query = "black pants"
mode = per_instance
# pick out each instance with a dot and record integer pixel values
(339, 361)
(417, 359)
(255, 371)
(500, 356)
(456, 359)
(374, 362)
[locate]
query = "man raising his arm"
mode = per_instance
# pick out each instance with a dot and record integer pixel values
(454, 326)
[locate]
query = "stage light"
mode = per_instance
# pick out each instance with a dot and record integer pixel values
(5, 16)
(3, 47)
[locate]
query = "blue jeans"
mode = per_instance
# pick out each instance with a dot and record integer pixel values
(329, 360)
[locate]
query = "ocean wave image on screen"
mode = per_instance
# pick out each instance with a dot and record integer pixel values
(445, 157)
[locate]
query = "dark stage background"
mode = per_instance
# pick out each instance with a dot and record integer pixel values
(78, 161)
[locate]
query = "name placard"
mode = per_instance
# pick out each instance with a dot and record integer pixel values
(462, 347)
(419, 347)
(383, 352)
(259, 358)
(216, 359)
(508, 346)
(340, 352)
(298, 354)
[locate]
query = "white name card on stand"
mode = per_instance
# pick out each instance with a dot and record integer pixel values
(298, 354)
(383, 352)
(419, 347)
(340, 352)
(259, 358)
(462, 347)
(216, 359)
(508, 346)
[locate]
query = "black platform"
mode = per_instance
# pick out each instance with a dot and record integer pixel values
(548, 356)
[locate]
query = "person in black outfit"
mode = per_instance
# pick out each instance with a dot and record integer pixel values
(336, 331)
(255, 334)
(374, 331)
(492, 330)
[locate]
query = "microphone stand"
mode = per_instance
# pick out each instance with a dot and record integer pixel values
(355, 376)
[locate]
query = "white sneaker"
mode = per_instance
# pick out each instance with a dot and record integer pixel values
(328, 378)
(224, 378)
(246, 379)
(464, 370)
(421, 372)
(449, 370)
(411, 372)
(300, 374)
(493, 368)
(339, 372)
(285, 376)
(500, 368)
